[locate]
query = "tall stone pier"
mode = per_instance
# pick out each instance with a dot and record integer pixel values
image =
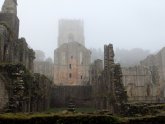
(109, 93)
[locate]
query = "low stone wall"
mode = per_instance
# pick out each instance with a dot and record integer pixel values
(142, 109)
(81, 96)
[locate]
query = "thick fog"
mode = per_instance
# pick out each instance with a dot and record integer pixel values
(125, 23)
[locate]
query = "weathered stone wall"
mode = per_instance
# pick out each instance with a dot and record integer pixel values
(80, 95)
(108, 89)
(12, 21)
(140, 84)
(3, 93)
(158, 60)
(23, 91)
(20, 89)
(13, 49)
(4, 36)
(96, 69)
(146, 82)
(23, 54)
(71, 64)
(41, 90)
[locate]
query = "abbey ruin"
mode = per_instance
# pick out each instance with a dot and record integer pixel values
(30, 85)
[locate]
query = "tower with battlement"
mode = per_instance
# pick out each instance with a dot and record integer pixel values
(71, 31)
(71, 58)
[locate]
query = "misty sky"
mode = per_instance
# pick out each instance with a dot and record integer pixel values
(125, 23)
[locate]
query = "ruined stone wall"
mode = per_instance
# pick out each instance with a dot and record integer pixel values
(108, 89)
(12, 21)
(71, 64)
(4, 36)
(158, 60)
(23, 91)
(96, 69)
(3, 93)
(140, 84)
(19, 87)
(40, 93)
(80, 95)
(12, 49)
(23, 54)
(145, 82)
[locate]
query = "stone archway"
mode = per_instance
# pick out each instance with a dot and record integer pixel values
(3, 93)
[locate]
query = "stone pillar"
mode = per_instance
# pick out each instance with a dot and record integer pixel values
(110, 54)
(105, 57)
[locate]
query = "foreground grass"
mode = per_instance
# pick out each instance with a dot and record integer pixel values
(80, 116)
(60, 118)
(84, 118)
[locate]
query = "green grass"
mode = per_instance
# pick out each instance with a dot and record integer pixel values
(83, 115)
(49, 113)
(78, 110)
(71, 118)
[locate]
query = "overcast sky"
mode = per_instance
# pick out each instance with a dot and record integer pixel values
(125, 23)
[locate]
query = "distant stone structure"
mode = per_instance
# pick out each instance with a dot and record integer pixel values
(71, 58)
(146, 82)
(71, 67)
(139, 83)
(108, 89)
(71, 31)
(44, 67)
(157, 61)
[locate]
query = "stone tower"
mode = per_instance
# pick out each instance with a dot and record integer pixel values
(71, 58)
(12, 48)
(71, 31)
(10, 6)
(8, 15)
